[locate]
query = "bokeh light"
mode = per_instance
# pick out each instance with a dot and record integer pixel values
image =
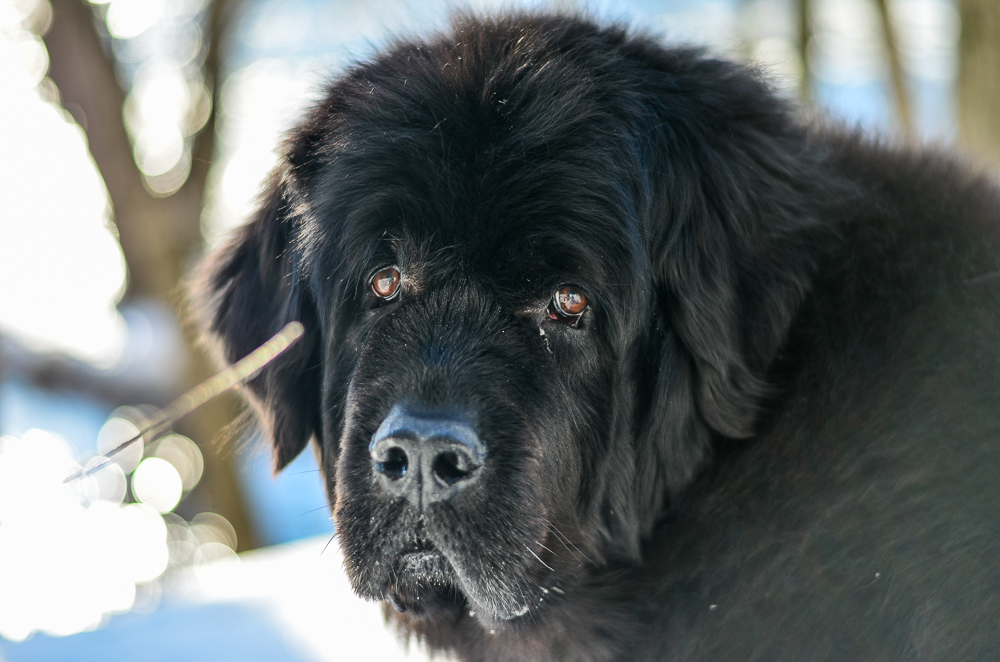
(165, 107)
(159, 47)
(157, 484)
(109, 484)
(72, 554)
(184, 455)
(260, 102)
(130, 18)
(212, 527)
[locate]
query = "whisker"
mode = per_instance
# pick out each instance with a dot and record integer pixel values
(526, 603)
(539, 559)
(312, 510)
(573, 553)
(570, 542)
(328, 543)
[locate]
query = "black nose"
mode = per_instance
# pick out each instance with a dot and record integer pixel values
(425, 458)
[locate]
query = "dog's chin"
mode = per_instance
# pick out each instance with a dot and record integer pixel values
(424, 584)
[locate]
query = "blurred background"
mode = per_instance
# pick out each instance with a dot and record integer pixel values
(133, 134)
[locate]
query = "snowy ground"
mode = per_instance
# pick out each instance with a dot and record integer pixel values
(285, 603)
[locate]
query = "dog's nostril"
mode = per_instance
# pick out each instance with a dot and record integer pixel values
(447, 467)
(395, 464)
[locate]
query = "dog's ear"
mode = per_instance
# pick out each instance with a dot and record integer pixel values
(734, 245)
(246, 291)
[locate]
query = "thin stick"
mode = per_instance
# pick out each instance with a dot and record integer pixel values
(241, 371)
(904, 114)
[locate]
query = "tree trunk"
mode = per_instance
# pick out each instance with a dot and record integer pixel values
(979, 79)
(157, 235)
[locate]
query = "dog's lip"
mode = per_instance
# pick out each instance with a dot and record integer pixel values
(419, 555)
(422, 581)
(421, 560)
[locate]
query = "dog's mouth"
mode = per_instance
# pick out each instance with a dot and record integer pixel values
(422, 582)
(423, 562)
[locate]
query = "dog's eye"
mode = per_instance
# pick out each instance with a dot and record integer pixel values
(568, 304)
(385, 283)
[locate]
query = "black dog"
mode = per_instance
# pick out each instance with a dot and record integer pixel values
(610, 357)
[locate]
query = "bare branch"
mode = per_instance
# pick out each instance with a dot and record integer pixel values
(904, 114)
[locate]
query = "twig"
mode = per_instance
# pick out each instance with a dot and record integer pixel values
(241, 371)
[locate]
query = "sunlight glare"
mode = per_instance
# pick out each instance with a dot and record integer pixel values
(67, 559)
(63, 266)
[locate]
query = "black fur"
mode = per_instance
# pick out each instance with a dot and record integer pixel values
(775, 433)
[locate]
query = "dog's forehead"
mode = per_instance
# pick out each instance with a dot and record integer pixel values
(494, 230)
(456, 160)
(512, 245)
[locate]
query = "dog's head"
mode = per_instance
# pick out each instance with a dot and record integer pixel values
(541, 265)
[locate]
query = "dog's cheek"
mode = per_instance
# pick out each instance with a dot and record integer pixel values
(361, 517)
(560, 457)
(586, 444)
(364, 531)
(493, 546)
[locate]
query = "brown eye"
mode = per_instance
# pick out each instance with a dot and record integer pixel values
(385, 283)
(568, 304)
